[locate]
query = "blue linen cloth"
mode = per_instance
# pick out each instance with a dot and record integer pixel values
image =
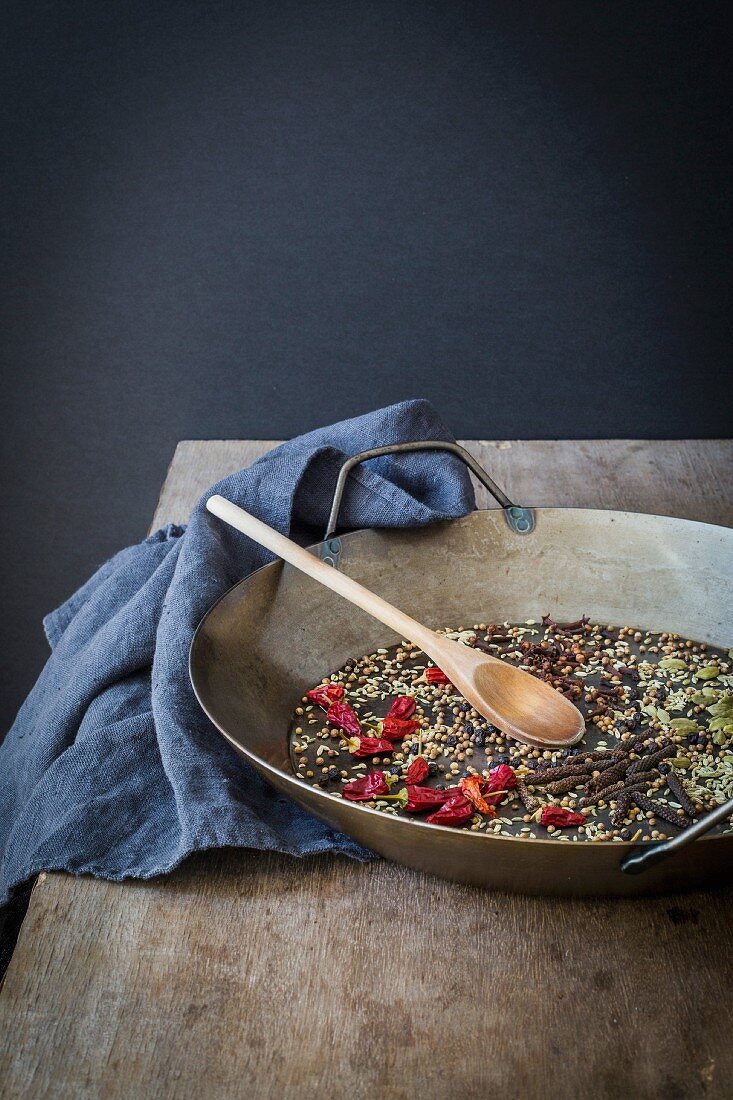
(111, 768)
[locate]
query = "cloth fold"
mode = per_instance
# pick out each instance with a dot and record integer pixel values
(111, 768)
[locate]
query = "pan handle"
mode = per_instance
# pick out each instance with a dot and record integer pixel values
(650, 854)
(521, 520)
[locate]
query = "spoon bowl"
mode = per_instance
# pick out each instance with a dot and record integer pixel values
(525, 708)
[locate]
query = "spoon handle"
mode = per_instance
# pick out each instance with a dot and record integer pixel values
(301, 559)
(650, 854)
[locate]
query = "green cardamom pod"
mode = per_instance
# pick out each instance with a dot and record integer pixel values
(684, 725)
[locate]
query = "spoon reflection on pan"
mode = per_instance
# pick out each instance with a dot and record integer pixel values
(522, 706)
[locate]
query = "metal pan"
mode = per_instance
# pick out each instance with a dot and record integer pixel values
(274, 634)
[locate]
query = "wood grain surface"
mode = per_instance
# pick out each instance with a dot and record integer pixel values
(258, 975)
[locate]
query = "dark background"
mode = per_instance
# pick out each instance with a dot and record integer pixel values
(232, 219)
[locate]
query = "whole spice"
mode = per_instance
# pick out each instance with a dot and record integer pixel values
(402, 707)
(580, 624)
(623, 803)
(681, 794)
(636, 746)
(325, 694)
(562, 786)
(398, 729)
(471, 786)
(623, 786)
(608, 777)
(343, 717)
(550, 775)
(417, 770)
(456, 811)
(420, 799)
(370, 746)
(560, 818)
(646, 763)
(366, 788)
(659, 810)
(640, 779)
(645, 716)
(502, 779)
(530, 803)
(602, 756)
(612, 762)
(600, 796)
(436, 676)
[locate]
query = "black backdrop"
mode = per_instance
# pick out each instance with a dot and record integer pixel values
(236, 218)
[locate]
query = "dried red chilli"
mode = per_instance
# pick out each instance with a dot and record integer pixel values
(436, 676)
(343, 717)
(558, 818)
(501, 780)
(472, 786)
(417, 771)
(325, 694)
(456, 811)
(402, 707)
(366, 788)
(370, 746)
(420, 799)
(398, 729)
(502, 777)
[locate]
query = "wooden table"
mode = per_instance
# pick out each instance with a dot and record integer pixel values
(264, 976)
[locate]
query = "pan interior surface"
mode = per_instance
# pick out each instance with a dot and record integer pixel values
(275, 634)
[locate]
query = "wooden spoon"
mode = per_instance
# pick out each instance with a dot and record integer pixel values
(519, 704)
